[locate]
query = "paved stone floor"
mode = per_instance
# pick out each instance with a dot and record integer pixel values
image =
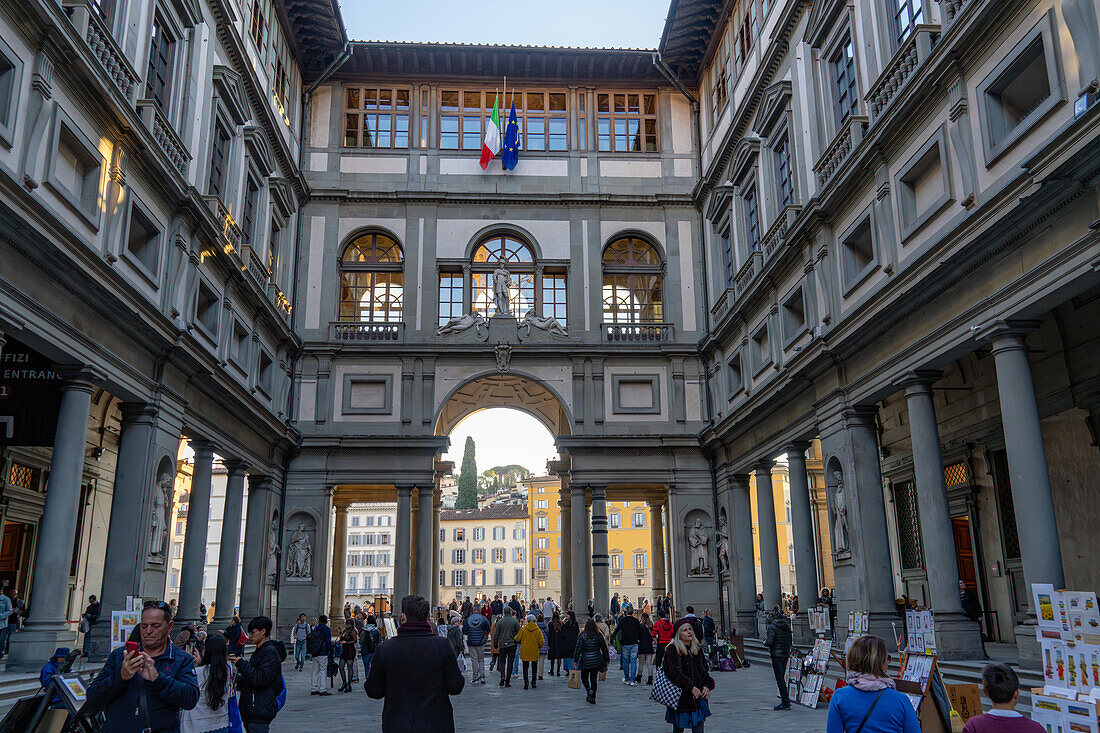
(742, 702)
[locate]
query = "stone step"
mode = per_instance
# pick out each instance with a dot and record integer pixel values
(17, 685)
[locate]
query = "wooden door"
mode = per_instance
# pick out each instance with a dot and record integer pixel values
(964, 552)
(12, 544)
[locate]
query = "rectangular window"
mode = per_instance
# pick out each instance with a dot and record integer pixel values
(639, 561)
(907, 14)
(177, 550)
(498, 576)
(519, 533)
(179, 527)
(784, 182)
(385, 521)
(517, 554)
(355, 521)
(9, 94)
(639, 519)
(257, 24)
(450, 297)
(761, 348)
(843, 63)
(626, 122)
(752, 219)
(498, 533)
(719, 81)
(616, 562)
(542, 543)
(377, 117)
(729, 265)
(542, 503)
(582, 121)
(736, 378)
(479, 578)
(459, 577)
(424, 105)
(857, 252)
(251, 202)
(459, 534)
(542, 116)
(368, 521)
(206, 311)
(443, 577)
(553, 298)
(219, 153)
(75, 172)
(1018, 95)
(498, 554)
(794, 315)
(542, 562)
(279, 85)
(479, 557)
(458, 557)
(542, 524)
(161, 50)
(479, 534)
(519, 576)
(442, 535)
(616, 521)
(143, 241)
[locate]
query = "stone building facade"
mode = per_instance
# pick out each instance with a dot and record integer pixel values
(483, 554)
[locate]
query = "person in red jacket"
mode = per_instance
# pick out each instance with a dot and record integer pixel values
(662, 635)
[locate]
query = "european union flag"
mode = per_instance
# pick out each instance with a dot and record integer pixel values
(509, 155)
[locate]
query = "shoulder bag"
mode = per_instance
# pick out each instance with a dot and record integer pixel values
(664, 692)
(868, 715)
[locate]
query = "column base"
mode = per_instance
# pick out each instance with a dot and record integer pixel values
(30, 647)
(1027, 646)
(879, 623)
(800, 629)
(100, 646)
(745, 623)
(957, 637)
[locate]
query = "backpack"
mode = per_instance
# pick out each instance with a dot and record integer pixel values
(371, 639)
(314, 643)
(242, 639)
(280, 696)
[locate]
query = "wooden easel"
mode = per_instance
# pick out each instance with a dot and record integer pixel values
(927, 713)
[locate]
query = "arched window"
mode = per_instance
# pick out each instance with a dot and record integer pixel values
(520, 263)
(632, 282)
(371, 280)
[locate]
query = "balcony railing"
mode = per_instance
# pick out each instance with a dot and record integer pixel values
(282, 303)
(776, 235)
(951, 8)
(846, 141)
(169, 142)
(366, 331)
(913, 52)
(256, 269)
(232, 236)
(97, 35)
(637, 332)
(747, 273)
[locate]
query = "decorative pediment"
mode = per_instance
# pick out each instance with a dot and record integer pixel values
(744, 155)
(189, 12)
(823, 15)
(258, 150)
(776, 101)
(718, 206)
(230, 90)
(282, 196)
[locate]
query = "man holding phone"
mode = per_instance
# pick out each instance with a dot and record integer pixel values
(144, 685)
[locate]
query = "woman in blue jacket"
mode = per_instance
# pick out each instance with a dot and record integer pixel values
(869, 703)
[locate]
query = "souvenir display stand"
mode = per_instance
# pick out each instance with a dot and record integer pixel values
(1069, 635)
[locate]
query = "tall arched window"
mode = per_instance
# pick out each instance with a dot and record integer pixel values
(520, 263)
(371, 279)
(632, 282)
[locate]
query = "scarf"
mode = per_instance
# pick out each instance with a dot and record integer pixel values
(868, 682)
(414, 626)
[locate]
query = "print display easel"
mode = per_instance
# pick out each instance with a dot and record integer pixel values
(806, 674)
(33, 714)
(1068, 632)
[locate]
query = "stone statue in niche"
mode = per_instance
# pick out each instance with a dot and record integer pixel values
(840, 515)
(159, 517)
(273, 549)
(502, 283)
(723, 545)
(697, 544)
(459, 324)
(299, 556)
(550, 325)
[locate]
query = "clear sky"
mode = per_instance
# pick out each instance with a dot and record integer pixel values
(503, 436)
(602, 23)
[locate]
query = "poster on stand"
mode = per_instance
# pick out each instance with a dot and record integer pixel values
(122, 623)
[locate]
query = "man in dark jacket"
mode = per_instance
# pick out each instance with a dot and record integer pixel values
(149, 687)
(260, 678)
(497, 607)
(516, 606)
(232, 636)
(414, 672)
(467, 608)
(504, 639)
(709, 630)
(476, 630)
(629, 632)
(778, 641)
(318, 644)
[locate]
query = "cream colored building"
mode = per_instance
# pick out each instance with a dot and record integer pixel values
(483, 552)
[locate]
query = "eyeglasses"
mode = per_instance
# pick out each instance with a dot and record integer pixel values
(156, 604)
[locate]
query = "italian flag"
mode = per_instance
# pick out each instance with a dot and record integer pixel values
(491, 146)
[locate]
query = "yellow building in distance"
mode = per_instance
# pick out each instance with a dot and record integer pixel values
(628, 543)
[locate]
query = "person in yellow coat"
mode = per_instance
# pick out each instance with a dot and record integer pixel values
(530, 640)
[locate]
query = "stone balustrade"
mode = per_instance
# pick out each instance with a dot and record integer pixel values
(86, 19)
(636, 332)
(366, 331)
(850, 135)
(913, 52)
(170, 143)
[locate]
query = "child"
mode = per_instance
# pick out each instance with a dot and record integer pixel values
(1002, 687)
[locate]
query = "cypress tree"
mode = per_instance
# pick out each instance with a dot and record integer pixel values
(467, 479)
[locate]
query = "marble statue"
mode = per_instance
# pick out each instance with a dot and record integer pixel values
(698, 541)
(550, 325)
(299, 560)
(158, 519)
(840, 515)
(273, 549)
(502, 282)
(723, 545)
(459, 324)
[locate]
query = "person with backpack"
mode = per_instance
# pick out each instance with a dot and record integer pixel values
(260, 678)
(869, 702)
(779, 640)
(628, 632)
(299, 634)
(590, 656)
(368, 643)
(476, 630)
(504, 639)
(645, 650)
(662, 636)
(235, 637)
(319, 644)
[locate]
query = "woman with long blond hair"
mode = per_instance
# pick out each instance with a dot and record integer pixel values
(685, 665)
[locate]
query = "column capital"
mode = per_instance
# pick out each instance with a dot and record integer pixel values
(234, 466)
(80, 377)
(138, 412)
(764, 465)
(860, 415)
(405, 489)
(598, 490)
(202, 447)
(1010, 331)
(259, 482)
(918, 381)
(341, 508)
(799, 448)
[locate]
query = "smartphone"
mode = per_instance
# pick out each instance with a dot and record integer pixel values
(132, 646)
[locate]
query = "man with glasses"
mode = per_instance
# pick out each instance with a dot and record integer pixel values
(146, 689)
(261, 677)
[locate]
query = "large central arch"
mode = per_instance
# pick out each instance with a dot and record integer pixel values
(514, 390)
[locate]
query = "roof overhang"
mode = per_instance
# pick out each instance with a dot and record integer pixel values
(689, 26)
(318, 33)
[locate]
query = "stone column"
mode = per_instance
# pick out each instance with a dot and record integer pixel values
(657, 550)
(436, 507)
(194, 539)
(601, 579)
(339, 564)
(802, 534)
(123, 560)
(48, 626)
(1040, 548)
(254, 576)
(578, 520)
(744, 565)
(229, 550)
(769, 535)
(424, 543)
(956, 636)
(402, 546)
(565, 566)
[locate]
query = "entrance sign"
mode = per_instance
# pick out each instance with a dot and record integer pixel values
(30, 396)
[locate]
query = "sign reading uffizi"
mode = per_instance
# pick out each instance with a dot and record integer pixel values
(30, 395)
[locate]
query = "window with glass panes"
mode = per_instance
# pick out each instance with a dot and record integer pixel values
(616, 562)
(553, 297)
(744, 20)
(725, 243)
(251, 201)
(257, 23)
(274, 243)
(371, 280)
(843, 63)
(626, 122)
(632, 282)
(752, 218)
(639, 560)
(279, 84)
(377, 117)
(907, 14)
(719, 80)
(582, 121)
(219, 151)
(520, 263)
(161, 48)
(543, 118)
(450, 297)
(781, 151)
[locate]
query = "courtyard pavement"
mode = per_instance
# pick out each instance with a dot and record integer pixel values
(742, 701)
